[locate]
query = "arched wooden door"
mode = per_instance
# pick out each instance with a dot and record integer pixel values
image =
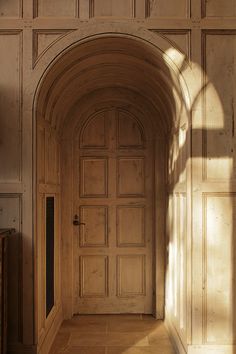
(113, 197)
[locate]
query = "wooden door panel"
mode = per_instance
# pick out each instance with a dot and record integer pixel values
(93, 177)
(130, 134)
(130, 226)
(131, 275)
(93, 276)
(95, 231)
(113, 197)
(131, 174)
(94, 133)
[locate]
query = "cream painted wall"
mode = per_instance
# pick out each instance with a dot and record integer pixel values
(200, 303)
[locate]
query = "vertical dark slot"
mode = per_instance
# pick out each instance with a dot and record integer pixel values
(49, 254)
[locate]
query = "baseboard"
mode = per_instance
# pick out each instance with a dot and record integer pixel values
(174, 337)
(50, 333)
(19, 348)
(211, 349)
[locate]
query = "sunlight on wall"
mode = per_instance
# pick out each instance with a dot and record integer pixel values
(212, 164)
(213, 108)
(176, 56)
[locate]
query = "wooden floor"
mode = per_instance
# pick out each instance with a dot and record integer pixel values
(112, 334)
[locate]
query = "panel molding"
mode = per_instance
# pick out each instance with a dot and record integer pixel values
(82, 240)
(165, 32)
(204, 12)
(83, 193)
(205, 197)
(83, 293)
(142, 184)
(120, 292)
(205, 80)
(37, 54)
(143, 221)
(36, 10)
(119, 133)
(19, 11)
(86, 125)
(92, 10)
(18, 33)
(149, 4)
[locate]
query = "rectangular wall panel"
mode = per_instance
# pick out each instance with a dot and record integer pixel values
(219, 257)
(167, 8)
(62, 8)
(10, 106)
(121, 8)
(220, 102)
(219, 8)
(11, 8)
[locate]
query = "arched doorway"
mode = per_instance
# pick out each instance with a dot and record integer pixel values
(110, 73)
(128, 159)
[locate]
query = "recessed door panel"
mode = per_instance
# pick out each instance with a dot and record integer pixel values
(93, 276)
(93, 177)
(131, 176)
(94, 232)
(130, 226)
(131, 275)
(94, 135)
(130, 132)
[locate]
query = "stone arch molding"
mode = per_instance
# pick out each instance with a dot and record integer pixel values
(182, 75)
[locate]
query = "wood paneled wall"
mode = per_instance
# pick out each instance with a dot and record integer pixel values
(202, 246)
(48, 185)
(213, 282)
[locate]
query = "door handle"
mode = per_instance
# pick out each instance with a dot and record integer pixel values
(76, 221)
